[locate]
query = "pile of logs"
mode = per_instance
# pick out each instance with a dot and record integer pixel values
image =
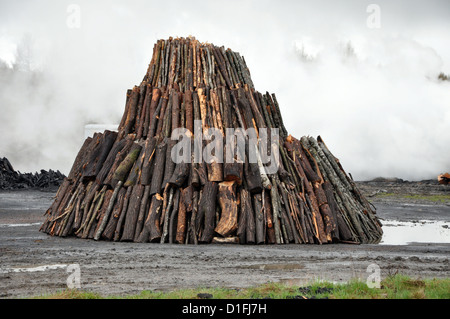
(124, 185)
(444, 179)
(11, 179)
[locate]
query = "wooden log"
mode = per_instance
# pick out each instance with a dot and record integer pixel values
(165, 218)
(139, 115)
(108, 233)
(125, 166)
(162, 114)
(174, 216)
(270, 231)
(276, 210)
(229, 209)
(167, 120)
(71, 228)
(132, 213)
(242, 221)
(327, 215)
(208, 207)
(143, 209)
(152, 230)
(131, 116)
(181, 220)
(156, 95)
(80, 208)
(98, 155)
(158, 168)
(120, 156)
(180, 174)
(109, 161)
(123, 213)
(252, 176)
(250, 217)
(146, 95)
(107, 212)
(93, 213)
(147, 166)
(259, 219)
(75, 171)
(135, 172)
(193, 224)
(342, 231)
(288, 217)
(169, 166)
(101, 216)
(222, 67)
(189, 111)
(227, 240)
(87, 204)
(157, 52)
(67, 214)
(54, 208)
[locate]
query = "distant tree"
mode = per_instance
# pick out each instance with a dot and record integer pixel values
(443, 77)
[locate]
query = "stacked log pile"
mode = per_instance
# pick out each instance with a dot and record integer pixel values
(444, 179)
(125, 186)
(11, 179)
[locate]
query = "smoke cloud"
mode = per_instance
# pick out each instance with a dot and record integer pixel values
(365, 80)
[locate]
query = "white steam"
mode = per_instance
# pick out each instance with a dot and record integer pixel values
(372, 94)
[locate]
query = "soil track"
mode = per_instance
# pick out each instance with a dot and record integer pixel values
(33, 263)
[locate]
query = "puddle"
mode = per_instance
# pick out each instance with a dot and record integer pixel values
(422, 231)
(20, 225)
(33, 269)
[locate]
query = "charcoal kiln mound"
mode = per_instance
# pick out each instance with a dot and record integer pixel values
(11, 179)
(200, 156)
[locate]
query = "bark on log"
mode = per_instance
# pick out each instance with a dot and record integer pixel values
(99, 154)
(108, 233)
(270, 231)
(158, 168)
(250, 216)
(132, 213)
(152, 230)
(123, 213)
(208, 207)
(181, 220)
(229, 208)
(259, 219)
(124, 168)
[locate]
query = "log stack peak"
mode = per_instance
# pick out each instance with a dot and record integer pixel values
(126, 185)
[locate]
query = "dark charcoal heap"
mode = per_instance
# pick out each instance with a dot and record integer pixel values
(11, 179)
(124, 186)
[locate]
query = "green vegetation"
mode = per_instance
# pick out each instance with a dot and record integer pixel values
(393, 287)
(431, 198)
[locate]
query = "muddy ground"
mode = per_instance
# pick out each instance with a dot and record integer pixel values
(33, 263)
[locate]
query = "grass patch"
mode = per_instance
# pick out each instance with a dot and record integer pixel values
(393, 287)
(432, 198)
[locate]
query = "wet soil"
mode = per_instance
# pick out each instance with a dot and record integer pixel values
(33, 263)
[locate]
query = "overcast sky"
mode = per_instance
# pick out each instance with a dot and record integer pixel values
(363, 77)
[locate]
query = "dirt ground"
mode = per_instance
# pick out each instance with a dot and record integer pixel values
(33, 263)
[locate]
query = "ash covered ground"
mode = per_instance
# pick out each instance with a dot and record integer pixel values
(33, 263)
